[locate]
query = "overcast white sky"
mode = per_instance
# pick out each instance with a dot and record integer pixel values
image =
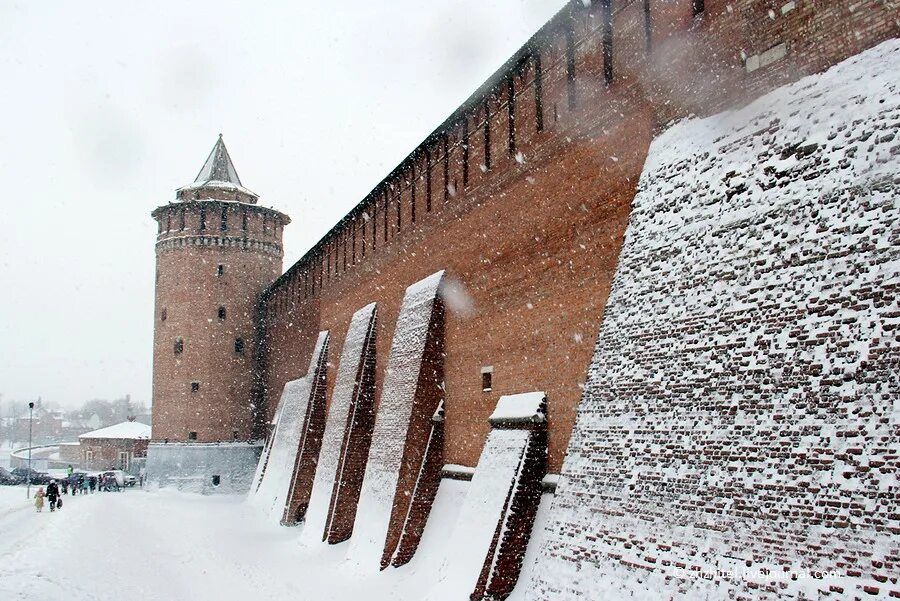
(108, 106)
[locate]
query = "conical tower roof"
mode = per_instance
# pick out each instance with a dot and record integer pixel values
(217, 180)
(218, 167)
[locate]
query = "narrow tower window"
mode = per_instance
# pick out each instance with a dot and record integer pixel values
(427, 179)
(607, 41)
(195, 386)
(179, 345)
(511, 113)
(223, 223)
(465, 149)
(487, 374)
(220, 270)
(538, 92)
(239, 346)
(221, 312)
(487, 134)
(202, 218)
(648, 27)
(192, 436)
(698, 6)
(163, 314)
(570, 64)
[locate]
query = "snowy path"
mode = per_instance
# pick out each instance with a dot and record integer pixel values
(168, 546)
(135, 545)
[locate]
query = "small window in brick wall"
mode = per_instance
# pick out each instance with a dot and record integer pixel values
(221, 312)
(239, 346)
(220, 270)
(487, 374)
(234, 434)
(163, 315)
(179, 345)
(195, 386)
(216, 480)
(192, 436)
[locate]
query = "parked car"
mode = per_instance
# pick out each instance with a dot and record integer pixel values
(121, 478)
(8, 478)
(39, 478)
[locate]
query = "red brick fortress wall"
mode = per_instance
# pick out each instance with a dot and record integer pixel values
(737, 438)
(524, 193)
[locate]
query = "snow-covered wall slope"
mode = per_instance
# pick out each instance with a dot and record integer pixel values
(401, 428)
(310, 436)
(741, 407)
(271, 495)
(343, 398)
(281, 455)
(499, 509)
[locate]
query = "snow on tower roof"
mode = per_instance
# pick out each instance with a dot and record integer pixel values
(218, 167)
(134, 430)
(218, 171)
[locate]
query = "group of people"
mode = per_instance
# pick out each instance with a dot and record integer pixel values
(53, 496)
(73, 484)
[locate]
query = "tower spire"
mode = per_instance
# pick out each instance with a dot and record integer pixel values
(218, 167)
(217, 180)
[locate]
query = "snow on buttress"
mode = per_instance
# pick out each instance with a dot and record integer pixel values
(740, 410)
(352, 355)
(392, 422)
(264, 457)
(498, 471)
(271, 496)
(517, 407)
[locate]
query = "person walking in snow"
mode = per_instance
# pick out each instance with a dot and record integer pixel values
(53, 494)
(39, 499)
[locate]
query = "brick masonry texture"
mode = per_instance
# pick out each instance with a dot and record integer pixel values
(296, 439)
(523, 196)
(741, 405)
(484, 553)
(356, 350)
(413, 392)
(310, 438)
(189, 292)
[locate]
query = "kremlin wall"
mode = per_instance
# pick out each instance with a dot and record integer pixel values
(743, 265)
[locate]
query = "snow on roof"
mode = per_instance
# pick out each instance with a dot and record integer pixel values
(218, 172)
(518, 408)
(134, 430)
(218, 166)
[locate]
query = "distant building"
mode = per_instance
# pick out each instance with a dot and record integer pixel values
(46, 427)
(114, 447)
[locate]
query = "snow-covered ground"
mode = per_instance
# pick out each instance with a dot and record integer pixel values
(5, 449)
(169, 546)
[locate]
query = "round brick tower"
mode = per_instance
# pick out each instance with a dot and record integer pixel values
(216, 251)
